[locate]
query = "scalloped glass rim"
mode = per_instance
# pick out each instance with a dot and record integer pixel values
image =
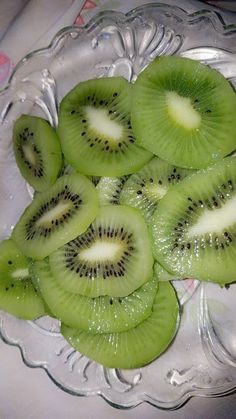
(215, 21)
(113, 16)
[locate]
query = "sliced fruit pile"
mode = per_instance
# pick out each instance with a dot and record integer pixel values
(135, 189)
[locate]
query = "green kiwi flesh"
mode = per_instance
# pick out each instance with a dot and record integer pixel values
(18, 295)
(113, 257)
(145, 188)
(37, 151)
(109, 189)
(184, 112)
(95, 131)
(194, 225)
(96, 315)
(138, 346)
(56, 216)
(162, 274)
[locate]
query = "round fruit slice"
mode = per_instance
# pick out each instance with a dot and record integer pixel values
(113, 257)
(95, 131)
(145, 188)
(184, 112)
(162, 274)
(96, 315)
(109, 189)
(37, 151)
(194, 225)
(135, 347)
(18, 296)
(56, 216)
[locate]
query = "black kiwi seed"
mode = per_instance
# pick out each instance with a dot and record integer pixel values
(39, 161)
(66, 195)
(112, 99)
(110, 189)
(158, 139)
(116, 268)
(105, 274)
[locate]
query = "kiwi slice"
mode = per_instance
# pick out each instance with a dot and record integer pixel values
(56, 216)
(67, 170)
(138, 346)
(162, 274)
(18, 295)
(95, 179)
(109, 189)
(95, 131)
(113, 257)
(145, 188)
(37, 151)
(97, 315)
(194, 225)
(184, 112)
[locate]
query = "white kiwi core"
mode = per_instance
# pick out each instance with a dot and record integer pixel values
(101, 251)
(54, 213)
(100, 122)
(215, 221)
(154, 191)
(182, 111)
(20, 273)
(29, 154)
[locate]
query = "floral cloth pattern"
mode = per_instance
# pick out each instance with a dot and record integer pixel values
(5, 67)
(88, 5)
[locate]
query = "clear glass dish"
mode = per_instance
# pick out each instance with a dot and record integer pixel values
(202, 359)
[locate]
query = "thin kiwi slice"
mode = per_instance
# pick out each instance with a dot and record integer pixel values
(95, 131)
(138, 346)
(96, 315)
(18, 295)
(162, 274)
(56, 216)
(109, 189)
(194, 225)
(37, 151)
(184, 112)
(113, 257)
(145, 188)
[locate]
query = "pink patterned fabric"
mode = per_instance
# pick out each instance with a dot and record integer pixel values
(88, 5)
(5, 67)
(79, 20)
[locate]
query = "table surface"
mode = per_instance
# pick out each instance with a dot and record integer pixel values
(28, 393)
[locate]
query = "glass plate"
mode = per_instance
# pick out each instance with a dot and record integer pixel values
(202, 359)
